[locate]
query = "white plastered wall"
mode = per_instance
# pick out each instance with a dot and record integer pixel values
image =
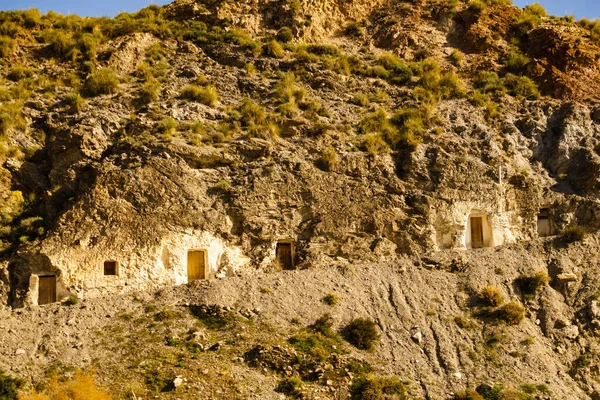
(155, 266)
(452, 229)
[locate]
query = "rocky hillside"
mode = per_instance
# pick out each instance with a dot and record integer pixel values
(369, 136)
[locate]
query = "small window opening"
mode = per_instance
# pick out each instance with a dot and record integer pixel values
(110, 268)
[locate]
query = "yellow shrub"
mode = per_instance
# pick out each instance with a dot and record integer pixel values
(81, 387)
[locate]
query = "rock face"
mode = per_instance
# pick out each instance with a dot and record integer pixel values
(406, 184)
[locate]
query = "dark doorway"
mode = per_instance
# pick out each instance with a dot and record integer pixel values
(476, 232)
(284, 255)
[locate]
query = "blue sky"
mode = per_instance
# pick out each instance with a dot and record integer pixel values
(92, 8)
(579, 8)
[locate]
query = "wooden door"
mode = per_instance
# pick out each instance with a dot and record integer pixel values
(196, 267)
(544, 226)
(284, 255)
(476, 232)
(47, 290)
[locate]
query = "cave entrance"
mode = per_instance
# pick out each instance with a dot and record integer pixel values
(479, 232)
(284, 254)
(545, 224)
(47, 289)
(196, 265)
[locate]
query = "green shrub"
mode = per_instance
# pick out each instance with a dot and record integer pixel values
(412, 123)
(531, 284)
(9, 28)
(573, 233)
(266, 131)
(488, 82)
(323, 50)
(74, 103)
(285, 35)
(318, 339)
(515, 61)
(19, 72)
(9, 386)
(323, 326)
(287, 91)
(362, 333)
(103, 81)
(512, 313)
(468, 394)
(205, 95)
(377, 122)
(490, 393)
(376, 388)
(521, 86)
(167, 127)
(273, 49)
(360, 99)
(252, 113)
(7, 46)
(463, 323)
(60, 44)
(150, 91)
(222, 186)
(457, 57)
(331, 299)
(592, 26)
(477, 6)
(396, 70)
(491, 296)
(71, 301)
(390, 61)
(291, 387)
(11, 116)
(353, 29)
(374, 144)
(530, 18)
(435, 85)
(327, 159)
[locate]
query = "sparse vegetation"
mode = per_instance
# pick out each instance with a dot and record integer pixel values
(19, 72)
(291, 387)
(149, 92)
(468, 394)
(7, 46)
(252, 113)
(285, 35)
(328, 159)
(60, 138)
(74, 103)
(573, 233)
(331, 299)
(9, 386)
(374, 388)
(273, 49)
(81, 386)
